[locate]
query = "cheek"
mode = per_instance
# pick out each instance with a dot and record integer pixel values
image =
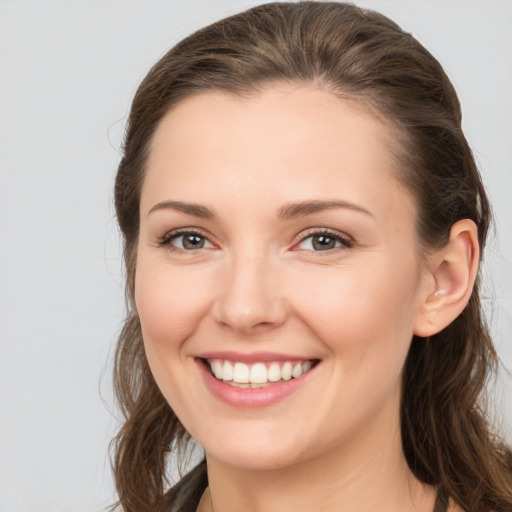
(364, 318)
(170, 303)
(361, 308)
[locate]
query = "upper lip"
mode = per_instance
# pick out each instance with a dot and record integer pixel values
(253, 357)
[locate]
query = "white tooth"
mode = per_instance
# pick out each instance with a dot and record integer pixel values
(217, 369)
(227, 371)
(241, 373)
(263, 385)
(286, 371)
(274, 372)
(258, 373)
(297, 371)
(239, 384)
(306, 366)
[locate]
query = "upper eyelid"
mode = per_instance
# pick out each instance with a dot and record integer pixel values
(303, 235)
(185, 230)
(300, 237)
(175, 233)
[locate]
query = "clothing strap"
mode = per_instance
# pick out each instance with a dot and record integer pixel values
(441, 502)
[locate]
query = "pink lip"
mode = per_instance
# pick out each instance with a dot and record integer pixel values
(249, 397)
(255, 357)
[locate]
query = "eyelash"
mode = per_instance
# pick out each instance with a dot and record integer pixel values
(344, 241)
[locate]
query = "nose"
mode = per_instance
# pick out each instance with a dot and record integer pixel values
(250, 298)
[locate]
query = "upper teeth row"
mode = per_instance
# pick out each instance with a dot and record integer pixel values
(258, 373)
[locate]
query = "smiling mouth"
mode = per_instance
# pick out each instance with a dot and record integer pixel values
(257, 375)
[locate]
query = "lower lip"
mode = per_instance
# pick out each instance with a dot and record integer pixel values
(250, 397)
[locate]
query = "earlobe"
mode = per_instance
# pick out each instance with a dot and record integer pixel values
(452, 274)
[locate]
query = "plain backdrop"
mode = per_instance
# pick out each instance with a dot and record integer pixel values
(68, 71)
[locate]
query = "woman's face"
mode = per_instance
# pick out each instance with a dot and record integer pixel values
(277, 247)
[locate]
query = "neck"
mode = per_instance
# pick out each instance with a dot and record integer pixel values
(372, 474)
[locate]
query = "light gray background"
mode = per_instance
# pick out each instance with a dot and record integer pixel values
(68, 70)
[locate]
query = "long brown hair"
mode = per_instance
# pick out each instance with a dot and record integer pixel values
(365, 57)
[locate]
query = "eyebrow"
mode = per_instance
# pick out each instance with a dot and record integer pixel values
(196, 210)
(286, 212)
(301, 209)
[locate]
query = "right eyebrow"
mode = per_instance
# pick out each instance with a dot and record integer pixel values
(196, 210)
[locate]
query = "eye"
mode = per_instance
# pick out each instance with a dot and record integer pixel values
(324, 241)
(188, 240)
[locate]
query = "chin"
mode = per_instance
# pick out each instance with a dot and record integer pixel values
(253, 458)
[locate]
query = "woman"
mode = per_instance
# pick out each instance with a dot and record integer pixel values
(303, 223)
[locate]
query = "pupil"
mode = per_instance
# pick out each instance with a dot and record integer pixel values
(193, 242)
(323, 243)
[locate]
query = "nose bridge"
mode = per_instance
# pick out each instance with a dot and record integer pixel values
(249, 298)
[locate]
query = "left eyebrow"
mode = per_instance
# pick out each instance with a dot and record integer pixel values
(301, 209)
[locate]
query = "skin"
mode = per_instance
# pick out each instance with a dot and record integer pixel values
(259, 284)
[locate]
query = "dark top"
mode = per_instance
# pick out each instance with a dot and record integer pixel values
(176, 499)
(441, 502)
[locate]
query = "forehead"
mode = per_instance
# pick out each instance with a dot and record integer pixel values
(300, 137)
(286, 107)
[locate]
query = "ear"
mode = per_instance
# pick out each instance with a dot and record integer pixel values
(451, 274)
